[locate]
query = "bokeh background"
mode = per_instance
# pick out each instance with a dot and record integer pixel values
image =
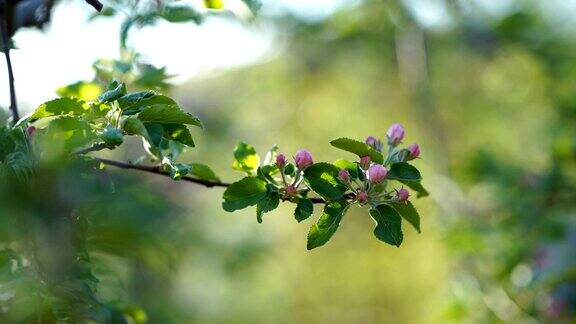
(485, 87)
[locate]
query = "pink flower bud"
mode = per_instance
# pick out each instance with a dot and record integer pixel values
(371, 140)
(280, 160)
(374, 143)
(303, 159)
(30, 131)
(377, 173)
(402, 195)
(395, 134)
(344, 176)
(414, 151)
(365, 162)
(362, 197)
(291, 191)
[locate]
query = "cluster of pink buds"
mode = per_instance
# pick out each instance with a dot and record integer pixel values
(395, 136)
(369, 190)
(302, 160)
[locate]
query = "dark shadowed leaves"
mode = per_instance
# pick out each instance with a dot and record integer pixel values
(304, 209)
(409, 213)
(404, 172)
(388, 224)
(327, 224)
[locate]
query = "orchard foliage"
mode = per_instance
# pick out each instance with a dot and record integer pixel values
(366, 182)
(128, 98)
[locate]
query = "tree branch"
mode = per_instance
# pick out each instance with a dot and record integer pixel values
(157, 170)
(6, 48)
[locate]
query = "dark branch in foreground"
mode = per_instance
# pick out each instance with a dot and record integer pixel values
(6, 48)
(159, 171)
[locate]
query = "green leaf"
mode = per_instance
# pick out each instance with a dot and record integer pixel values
(246, 158)
(69, 132)
(177, 170)
(132, 99)
(269, 203)
(203, 172)
(416, 186)
(81, 89)
(134, 103)
(404, 172)
(304, 209)
(290, 169)
(350, 166)
(167, 114)
(267, 172)
(133, 126)
(7, 143)
(322, 178)
(241, 194)
(180, 13)
(115, 91)
(327, 224)
(359, 148)
(408, 212)
(389, 224)
(178, 133)
(61, 106)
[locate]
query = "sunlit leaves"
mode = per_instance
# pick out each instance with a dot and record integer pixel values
(246, 158)
(321, 232)
(177, 170)
(322, 178)
(167, 114)
(388, 224)
(132, 99)
(178, 133)
(359, 148)
(203, 172)
(61, 106)
(81, 89)
(69, 132)
(214, 4)
(246, 192)
(351, 167)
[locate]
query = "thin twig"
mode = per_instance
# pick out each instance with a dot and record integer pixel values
(159, 171)
(96, 4)
(6, 48)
